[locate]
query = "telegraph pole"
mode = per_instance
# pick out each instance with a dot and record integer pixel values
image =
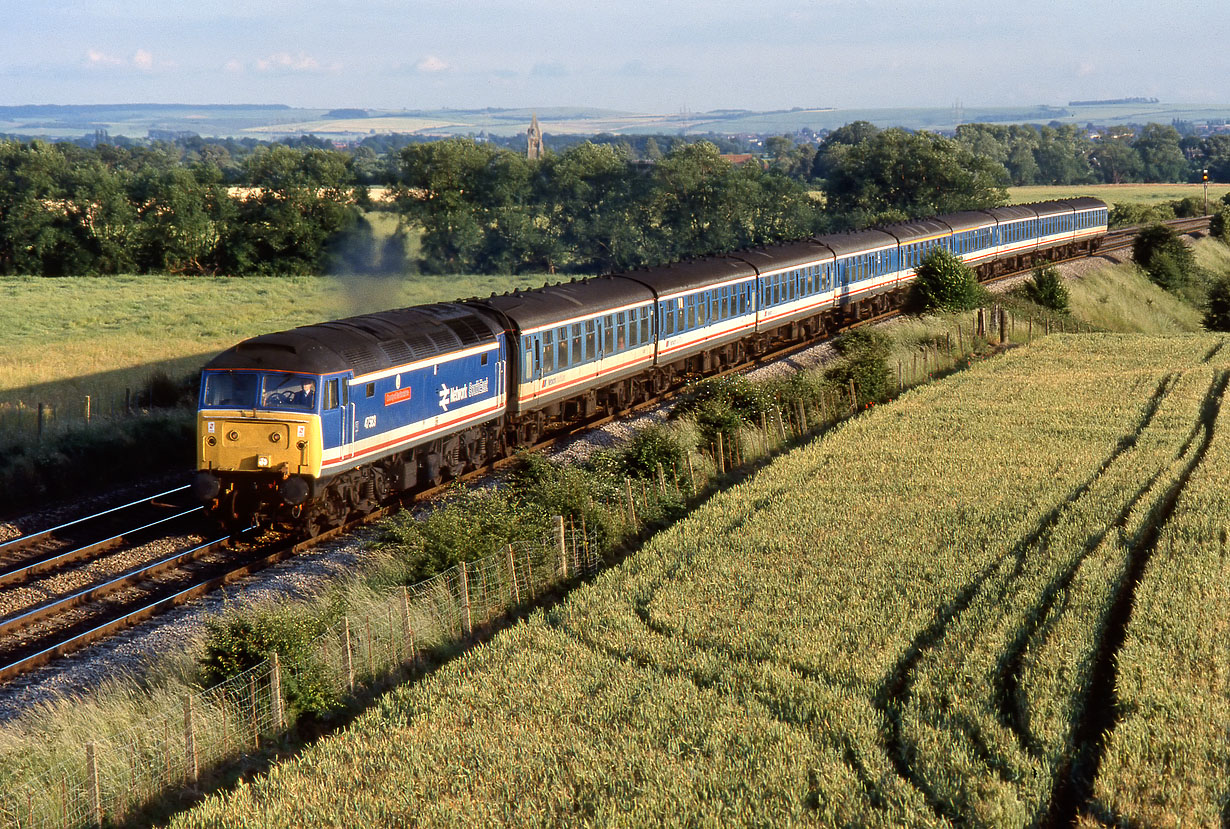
(1205, 175)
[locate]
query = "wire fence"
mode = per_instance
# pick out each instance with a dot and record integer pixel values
(116, 774)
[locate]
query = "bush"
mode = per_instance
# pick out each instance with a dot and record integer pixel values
(1046, 288)
(945, 283)
(239, 643)
(650, 447)
(724, 405)
(1217, 315)
(864, 361)
(1158, 239)
(1131, 214)
(1219, 225)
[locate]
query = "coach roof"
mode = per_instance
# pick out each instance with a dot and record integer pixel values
(363, 344)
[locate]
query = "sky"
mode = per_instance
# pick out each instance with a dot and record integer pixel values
(651, 56)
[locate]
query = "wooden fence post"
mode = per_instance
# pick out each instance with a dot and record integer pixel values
(411, 650)
(721, 450)
(512, 576)
(465, 593)
(559, 533)
(275, 692)
(91, 782)
(349, 654)
(190, 740)
(87, 408)
(631, 512)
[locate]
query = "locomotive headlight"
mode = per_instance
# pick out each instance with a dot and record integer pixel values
(262, 461)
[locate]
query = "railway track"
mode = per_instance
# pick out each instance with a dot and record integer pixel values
(59, 620)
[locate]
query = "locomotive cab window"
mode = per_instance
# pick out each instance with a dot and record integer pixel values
(296, 392)
(331, 400)
(230, 388)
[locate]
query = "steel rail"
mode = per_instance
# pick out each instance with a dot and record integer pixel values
(89, 552)
(22, 540)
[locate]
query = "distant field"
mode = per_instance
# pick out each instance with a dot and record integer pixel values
(911, 621)
(63, 338)
(1117, 193)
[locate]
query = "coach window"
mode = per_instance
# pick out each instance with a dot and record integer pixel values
(561, 347)
(527, 370)
(645, 312)
(621, 335)
(548, 353)
(591, 348)
(726, 303)
(633, 317)
(608, 334)
(576, 345)
(691, 313)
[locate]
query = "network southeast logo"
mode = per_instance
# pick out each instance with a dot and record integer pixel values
(454, 394)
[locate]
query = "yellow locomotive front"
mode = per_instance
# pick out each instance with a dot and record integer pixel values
(258, 441)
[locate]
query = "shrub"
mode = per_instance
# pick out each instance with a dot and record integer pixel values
(240, 642)
(864, 361)
(1046, 288)
(650, 447)
(945, 283)
(1158, 239)
(1219, 225)
(1217, 314)
(724, 404)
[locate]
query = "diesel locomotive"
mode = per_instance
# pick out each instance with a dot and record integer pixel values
(303, 428)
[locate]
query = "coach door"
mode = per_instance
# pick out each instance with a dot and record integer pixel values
(336, 417)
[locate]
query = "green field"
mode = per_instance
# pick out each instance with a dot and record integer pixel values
(63, 338)
(1117, 193)
(911, 621)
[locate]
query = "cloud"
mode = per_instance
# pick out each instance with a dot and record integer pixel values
(286, 62)
(96, 58)
(142, 59)
(431, 63)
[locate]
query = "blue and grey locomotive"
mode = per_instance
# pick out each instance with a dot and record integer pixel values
(307, 426)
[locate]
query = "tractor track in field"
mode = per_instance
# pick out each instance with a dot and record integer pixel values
(1073, 796)
(894, 695)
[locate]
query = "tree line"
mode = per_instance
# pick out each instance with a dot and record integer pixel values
(204, 207)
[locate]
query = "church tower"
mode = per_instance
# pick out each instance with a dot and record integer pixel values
(533, 139)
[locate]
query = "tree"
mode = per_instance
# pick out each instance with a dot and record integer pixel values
(1161, 157)
(835, 145)
(915, 174)
(1116, 159)
(945, 283)
(300, 199)
(446, 187)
